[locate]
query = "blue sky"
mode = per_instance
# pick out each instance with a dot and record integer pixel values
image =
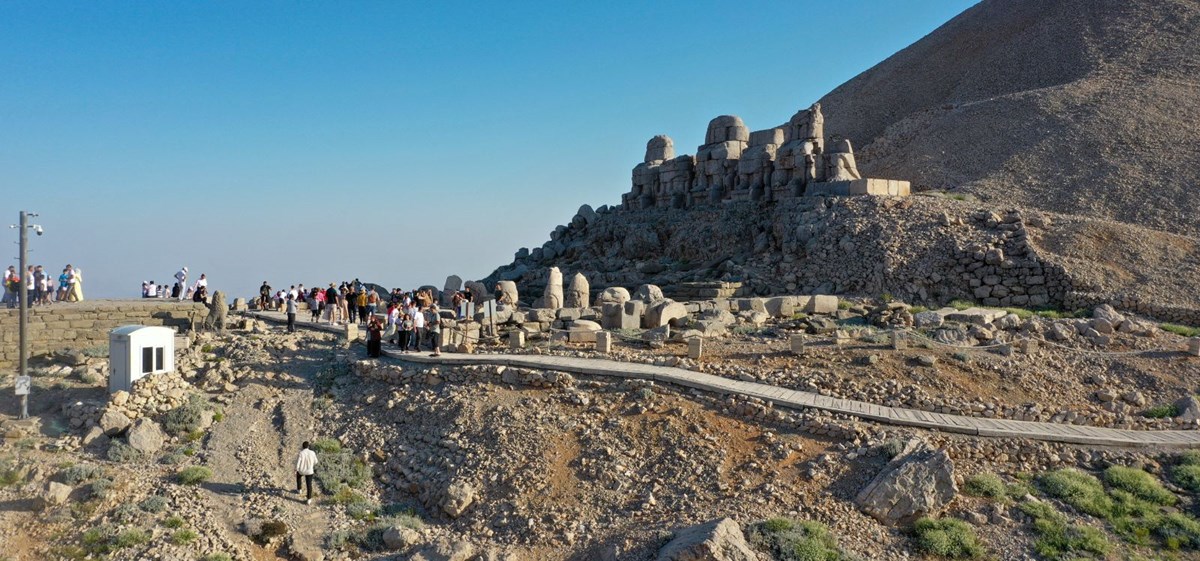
(391, 141)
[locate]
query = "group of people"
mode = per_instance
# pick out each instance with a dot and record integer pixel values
(197, 292)
(41, 287)
(408, 319)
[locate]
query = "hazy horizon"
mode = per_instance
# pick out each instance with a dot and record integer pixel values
(393, 143)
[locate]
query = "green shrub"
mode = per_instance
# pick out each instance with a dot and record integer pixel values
(1020, 312)
(1181, 330)
(153, 503)
(1189, 458)
(173, 522)
(961, 304)
(130, 538)
(126, 513)
(892, 447)
(326, 446)
(986, 485)
(947, 537)
(122, 453)
(1058, 540)
(1080, 490)
(778, 525)
(218, 415)
(1161, 411)
(844, 305)
(1141, 484)
(796, 540)
(347, 496)
(1187, 476)
(272, 529)
(78, 473)
(193, 475)
(365, 510)
(186, 418)
(96, 351)
(184, 536)
(10, 473)
(962, 356)
(99, 488)
(337, 469)
(206, 348)
(216, 557)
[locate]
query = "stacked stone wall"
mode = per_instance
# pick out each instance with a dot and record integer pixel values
(87, 324)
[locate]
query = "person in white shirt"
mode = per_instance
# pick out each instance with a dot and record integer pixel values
(201, 282)
(306, 464)
(418, 321)
(181, 276)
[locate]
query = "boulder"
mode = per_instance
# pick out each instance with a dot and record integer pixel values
(613, 295)
(56, 494)
(1189, 409)
(822, 304)
(445, 550)
(657, 337)
(718, 540)
(113, 422)
(399, 537)
(648, 293)
(71, 357)
(1109, 314)
(458, 498)
(662, 312)
(95, 435)
(145, 436)
(917, 482)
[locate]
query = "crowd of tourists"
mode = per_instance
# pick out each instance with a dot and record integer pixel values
(409, 320)
(41, 287)
(196, 292)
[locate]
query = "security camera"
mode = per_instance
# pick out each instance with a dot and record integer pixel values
(38, 230)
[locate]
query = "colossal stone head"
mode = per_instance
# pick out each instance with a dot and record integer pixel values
(807, 124)
(726, 128)
(660, 148)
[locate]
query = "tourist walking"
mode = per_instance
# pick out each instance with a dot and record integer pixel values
(360, 301)
(306, 464)
(405, 329)
(315, 301)
(12, 283)
(331, 304)
(291, 314)
(264, 296)
(75, 280)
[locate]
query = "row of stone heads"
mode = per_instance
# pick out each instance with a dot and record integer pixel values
(737, 164)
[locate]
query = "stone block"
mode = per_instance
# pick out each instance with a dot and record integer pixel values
(1028, 346)
(797, 343)
(822, 304)
(695, 348)
(662, 312)
(899, 340)
(781, 306)
(603, 342)
(351, 332)
(516, 339)
(1194, 346)
(842, 337)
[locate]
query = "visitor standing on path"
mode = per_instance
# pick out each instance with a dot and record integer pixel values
(374, 337)
(181, 278)
(306, 463)
(418, 326)
(435, 329)
(291, 314)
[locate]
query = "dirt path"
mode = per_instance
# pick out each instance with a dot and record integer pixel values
(253, 477)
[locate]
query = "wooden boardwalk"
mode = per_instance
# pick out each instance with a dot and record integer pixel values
(792, 399)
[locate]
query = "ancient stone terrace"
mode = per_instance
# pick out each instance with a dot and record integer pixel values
(734, 164)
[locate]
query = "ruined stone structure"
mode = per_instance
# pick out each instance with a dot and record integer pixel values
(735, 164)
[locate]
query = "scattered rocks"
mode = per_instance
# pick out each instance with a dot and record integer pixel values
(917, 482)
(718, 540)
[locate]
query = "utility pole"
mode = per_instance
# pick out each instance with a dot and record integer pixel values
(23, 381)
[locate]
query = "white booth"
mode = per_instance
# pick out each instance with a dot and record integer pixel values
(135, 351)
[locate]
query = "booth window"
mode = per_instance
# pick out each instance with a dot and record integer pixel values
(147, 360)
(158, 358)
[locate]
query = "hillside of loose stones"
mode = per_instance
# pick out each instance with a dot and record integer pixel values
(529, 465)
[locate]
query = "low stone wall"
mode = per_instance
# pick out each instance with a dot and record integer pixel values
(86, 324)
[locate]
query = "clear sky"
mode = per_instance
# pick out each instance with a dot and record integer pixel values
(396, 142)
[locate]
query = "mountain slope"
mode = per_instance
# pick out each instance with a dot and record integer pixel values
(1076, 106)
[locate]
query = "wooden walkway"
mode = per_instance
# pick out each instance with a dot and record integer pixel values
(792, 399)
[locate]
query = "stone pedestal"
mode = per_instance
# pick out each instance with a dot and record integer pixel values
(604, 342)
(1194, 346)
(351, 332)
(695, 348)
(797, 342)
(1028, 346)
(899, 340)
(516, 339)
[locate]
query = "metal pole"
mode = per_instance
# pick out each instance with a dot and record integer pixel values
(22, 329)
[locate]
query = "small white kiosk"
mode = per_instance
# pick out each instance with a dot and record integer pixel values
(135, 351)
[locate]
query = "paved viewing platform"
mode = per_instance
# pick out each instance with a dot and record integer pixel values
(793, 399)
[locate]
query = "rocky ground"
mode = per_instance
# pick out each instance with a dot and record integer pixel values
(493, 463)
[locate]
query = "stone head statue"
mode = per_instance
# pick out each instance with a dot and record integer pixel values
(726, 128)
(660, 148)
